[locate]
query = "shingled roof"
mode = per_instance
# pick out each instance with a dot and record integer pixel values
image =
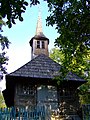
(39, 67)
(42, 67)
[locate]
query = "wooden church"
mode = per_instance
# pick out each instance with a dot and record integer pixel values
(33, 84)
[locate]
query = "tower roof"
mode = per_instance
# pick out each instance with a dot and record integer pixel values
(39, 31)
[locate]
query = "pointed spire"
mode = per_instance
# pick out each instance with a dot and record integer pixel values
(39, 40)
(39, 30)
(39, 25)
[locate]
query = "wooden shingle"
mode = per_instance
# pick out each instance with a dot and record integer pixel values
(39, 67)
(42, 67)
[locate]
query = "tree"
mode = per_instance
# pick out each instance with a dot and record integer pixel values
(71, 18)
(4, 42)
(58, 56)
(11, 10)
(84, 93)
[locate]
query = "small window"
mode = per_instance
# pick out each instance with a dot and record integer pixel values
(38, 44)
(43, 44)
(28, 90)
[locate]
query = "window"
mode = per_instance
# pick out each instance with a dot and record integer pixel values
(38, 44)
(26, 90)
(67, 92)
(43, 45)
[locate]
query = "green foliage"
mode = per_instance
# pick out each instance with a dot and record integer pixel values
(85, 93)
(71, 18)
(56, 55)
(4, 43)
(59, 56)
(84, 90)
(2, 103)
(13, 9)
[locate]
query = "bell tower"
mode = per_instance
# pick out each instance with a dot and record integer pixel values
(39, 43)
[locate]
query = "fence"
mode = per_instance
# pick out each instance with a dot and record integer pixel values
(34, 113)
(86, 111)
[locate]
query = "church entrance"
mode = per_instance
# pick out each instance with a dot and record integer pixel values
(47, 96)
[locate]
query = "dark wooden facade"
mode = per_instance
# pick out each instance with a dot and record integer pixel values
(22, 87)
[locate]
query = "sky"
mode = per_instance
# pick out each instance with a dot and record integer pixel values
(19, 35)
